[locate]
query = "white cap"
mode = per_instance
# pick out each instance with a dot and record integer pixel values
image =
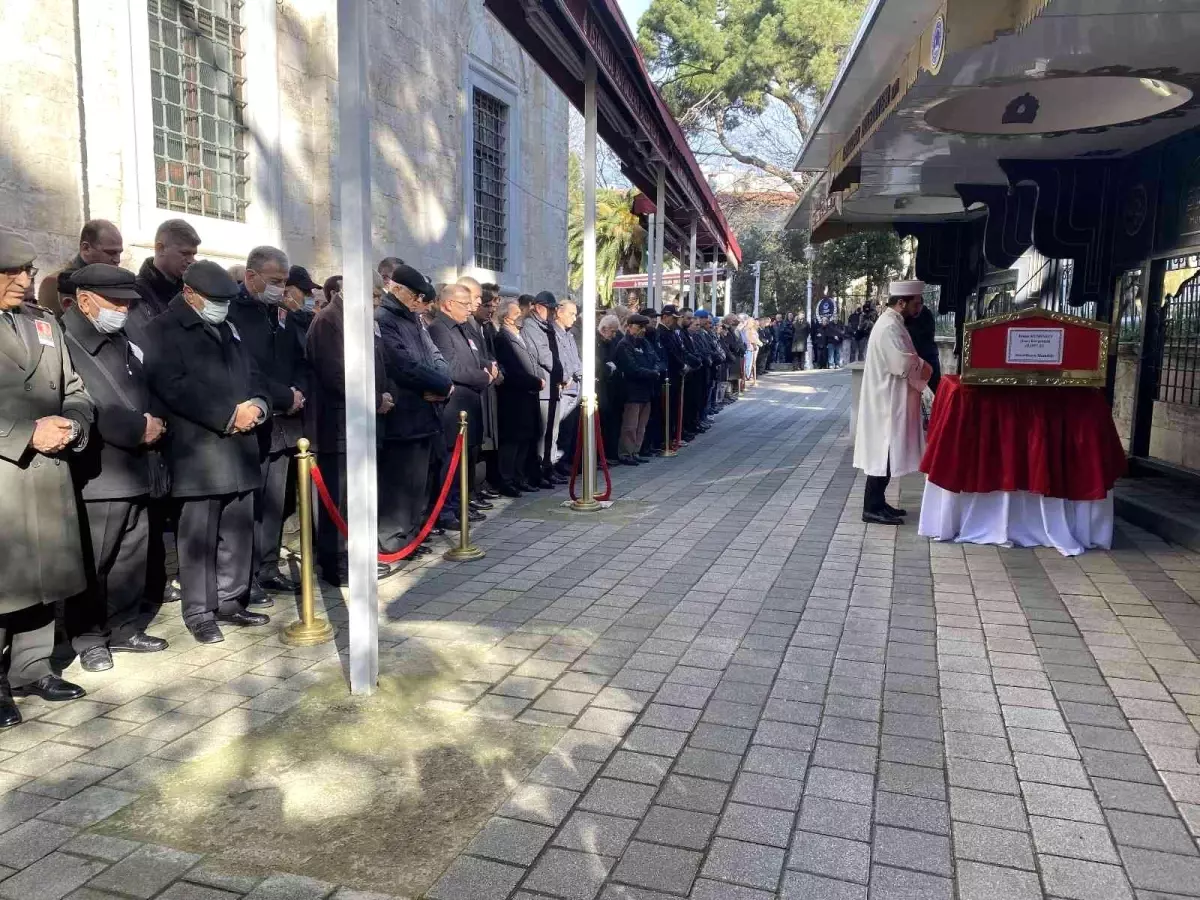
(906, 288)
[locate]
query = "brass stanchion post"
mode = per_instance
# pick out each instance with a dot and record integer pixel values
(309, 630)
(682, 395)
(587, 501)
(668, 449)
(464, 551)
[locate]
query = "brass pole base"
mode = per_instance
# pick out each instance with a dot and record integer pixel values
(308, 634)
(668, 453)
(463, 554)
(582, 505)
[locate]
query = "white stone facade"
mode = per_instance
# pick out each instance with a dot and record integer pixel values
(67, 156)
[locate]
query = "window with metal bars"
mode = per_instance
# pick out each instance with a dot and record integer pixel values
(1179, 334)
(491, 182)
(198, 87)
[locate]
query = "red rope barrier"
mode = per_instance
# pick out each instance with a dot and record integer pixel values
(600, 455)
(405, 552)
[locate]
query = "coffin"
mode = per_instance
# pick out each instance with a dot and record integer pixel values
(1036, 347)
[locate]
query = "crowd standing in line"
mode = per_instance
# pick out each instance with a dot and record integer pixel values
(137, 406)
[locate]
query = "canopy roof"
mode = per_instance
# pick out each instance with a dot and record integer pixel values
(935, 94)
(633, 120)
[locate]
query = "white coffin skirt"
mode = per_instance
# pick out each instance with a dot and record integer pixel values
(1018, 517)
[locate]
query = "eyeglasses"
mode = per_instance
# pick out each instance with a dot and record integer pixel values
(29, 268)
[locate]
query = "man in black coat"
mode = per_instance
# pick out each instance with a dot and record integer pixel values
(693, 380)
(471, 375)
(565, 318)
(922, 328)
(679, 364)
(421, 381)
(204, 377)
(818, 344)
(653, 445)
(117, 473)
(537, 329)
(325, 417)
(275, 337)
(638, 367)
(483, 332)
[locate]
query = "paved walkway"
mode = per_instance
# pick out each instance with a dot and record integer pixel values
(759, 697)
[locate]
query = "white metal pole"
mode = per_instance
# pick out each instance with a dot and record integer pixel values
(660, 236)
(728, 291)
(354, 172)
(757, 283)
(693, 297)
(651, 250)
(808, 344)
(714, 284)
(589, 287)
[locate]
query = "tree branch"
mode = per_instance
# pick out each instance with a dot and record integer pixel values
(748, 159)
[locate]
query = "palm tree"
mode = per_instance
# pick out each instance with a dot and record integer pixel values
(620, 237)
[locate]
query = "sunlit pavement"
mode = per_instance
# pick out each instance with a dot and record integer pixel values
(747, 692)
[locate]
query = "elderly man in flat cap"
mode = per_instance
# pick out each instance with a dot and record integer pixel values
(45, 417)
(890, 439)
(215, 400)
(118, 473)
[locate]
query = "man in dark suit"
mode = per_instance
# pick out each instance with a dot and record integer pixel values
(421, 381)
(274, 335)
(483, 332)
(205, 378)
(471, 375)
(325, 417)
(117, 473)
(652, 444)
(45, 416)
(537, 330)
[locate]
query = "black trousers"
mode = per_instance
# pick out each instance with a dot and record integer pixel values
(273, 503)
(511, 461)
(216, 541)
(873, 497)
(694, 396)
(403, 474)
(568, 432)
(654, 428)
(673, 424)
(331, 546)
(28, 635)
(116, 541)
(164, 517)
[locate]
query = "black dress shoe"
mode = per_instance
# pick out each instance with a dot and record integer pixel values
(481, 504)
(510, 491)
(172, 593)
(244, 618)
(526, 488)
(139, 643)
(280, 583)
(901, 513)
(9, 714)
(421, 550)
(436, 531)
(489, 494)
(881, 518)
(386, 570)
(546, 484)
(475, 515)
(259, 596)
(95, 659)
(207, 632)
(50, 687)
(643, 459)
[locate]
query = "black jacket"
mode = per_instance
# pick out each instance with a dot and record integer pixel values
(922, 328)
(157, 291)
(325, 409)
(517, 395)
(539, 338)
(414, 367)
(460, 349)
(275, 338)
(114, 465)
(199, 373)
(639, 370)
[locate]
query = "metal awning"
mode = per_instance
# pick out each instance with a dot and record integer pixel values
(632, 118)
(936, 93)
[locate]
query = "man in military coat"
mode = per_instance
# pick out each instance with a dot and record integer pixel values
(45, 415)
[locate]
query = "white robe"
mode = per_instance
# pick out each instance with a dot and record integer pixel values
(889, 408)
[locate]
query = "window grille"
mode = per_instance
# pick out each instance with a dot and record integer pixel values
(1179, 341)
(198, 87)
(491, 182)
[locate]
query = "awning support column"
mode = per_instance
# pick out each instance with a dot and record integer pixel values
(714, 283)
(651, 249)
(693, 297)
(587, 501)
(729, 292)
(660, 234)
(354, 173)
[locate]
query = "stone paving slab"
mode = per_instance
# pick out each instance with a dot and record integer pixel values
(757, 696)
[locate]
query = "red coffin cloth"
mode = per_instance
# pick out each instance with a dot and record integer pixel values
(1057, 442)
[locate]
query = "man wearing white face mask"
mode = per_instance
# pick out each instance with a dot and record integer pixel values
(274, 334)
(214, 398)
(118, 472)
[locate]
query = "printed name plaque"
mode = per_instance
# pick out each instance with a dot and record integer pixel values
(1036, 347)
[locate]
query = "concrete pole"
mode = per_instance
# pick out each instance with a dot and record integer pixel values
(354, 173)
(651, 248)
(757, 283)
(661, 233)
(808, 347)
(714, 283)
(587, 501)
(693, 298)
